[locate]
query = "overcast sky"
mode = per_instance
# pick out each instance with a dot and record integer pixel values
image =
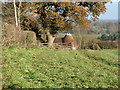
(115, 0)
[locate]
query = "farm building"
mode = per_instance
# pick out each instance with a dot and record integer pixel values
(67, 41)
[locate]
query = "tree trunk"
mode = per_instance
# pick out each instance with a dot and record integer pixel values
(15, 14)
(80, 46)
(19, 12)
(50, 40)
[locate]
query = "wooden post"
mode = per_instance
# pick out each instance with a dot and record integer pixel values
(73, 46)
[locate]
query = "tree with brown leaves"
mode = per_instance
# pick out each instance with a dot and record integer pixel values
(57, 17)
(62, 16)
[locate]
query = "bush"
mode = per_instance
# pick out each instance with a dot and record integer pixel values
(30, 38)
(107, 44)
(11, 36)
(112, 37)
(98, 44)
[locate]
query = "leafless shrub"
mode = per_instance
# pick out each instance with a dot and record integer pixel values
(11, 36)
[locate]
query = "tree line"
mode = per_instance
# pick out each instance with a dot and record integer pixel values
(48, 18)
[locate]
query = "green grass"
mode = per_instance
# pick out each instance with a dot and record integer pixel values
(48, 68)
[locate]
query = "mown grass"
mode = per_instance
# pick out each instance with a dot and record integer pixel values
(25, 67)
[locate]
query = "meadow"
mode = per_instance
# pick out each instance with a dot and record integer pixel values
(41, 67)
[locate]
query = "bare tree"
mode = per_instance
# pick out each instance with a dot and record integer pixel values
(16, 19)
(19, 11)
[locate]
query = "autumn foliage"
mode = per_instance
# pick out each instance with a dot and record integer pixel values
(62, 16)
(56, 17)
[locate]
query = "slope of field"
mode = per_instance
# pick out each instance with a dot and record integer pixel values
(47, 68)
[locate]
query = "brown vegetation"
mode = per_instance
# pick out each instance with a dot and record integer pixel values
(98, 44)
(11, 36)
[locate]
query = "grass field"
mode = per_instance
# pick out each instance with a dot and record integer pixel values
(47, 68)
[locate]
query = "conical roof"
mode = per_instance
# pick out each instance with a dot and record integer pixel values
(58, 40)
(68, 38)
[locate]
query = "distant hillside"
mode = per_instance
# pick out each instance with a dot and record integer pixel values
(116, 21)
(101, 27)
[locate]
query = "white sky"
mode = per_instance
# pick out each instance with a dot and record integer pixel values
(78, 0)
(115, 0)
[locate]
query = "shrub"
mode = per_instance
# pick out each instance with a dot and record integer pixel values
(98, 44)
(11, 36)
(30, 38)
(107, 44)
